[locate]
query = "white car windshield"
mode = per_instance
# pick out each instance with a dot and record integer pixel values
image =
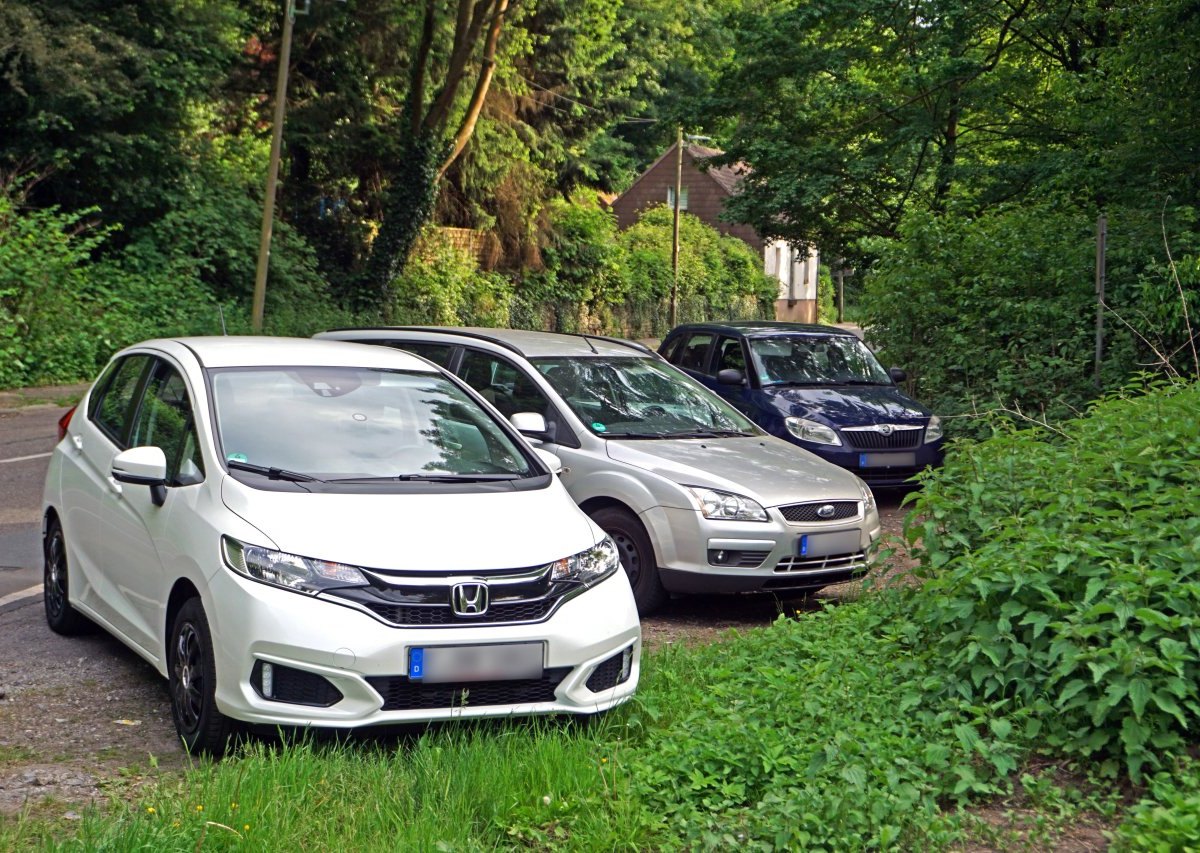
(640, 398)
(815, 360)
(351, 423)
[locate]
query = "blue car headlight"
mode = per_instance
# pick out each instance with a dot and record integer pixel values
(818, 433)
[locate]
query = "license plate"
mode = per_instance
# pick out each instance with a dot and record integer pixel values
(436, 664)
(825, 544)
(887, 460)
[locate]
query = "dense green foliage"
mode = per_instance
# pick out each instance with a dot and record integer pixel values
(1168, 818)
(1063, 577)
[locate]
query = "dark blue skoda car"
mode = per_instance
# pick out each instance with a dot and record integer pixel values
(817, 386)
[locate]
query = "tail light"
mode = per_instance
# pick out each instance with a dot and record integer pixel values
(64, 422)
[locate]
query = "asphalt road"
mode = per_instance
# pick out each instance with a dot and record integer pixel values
(27, 436)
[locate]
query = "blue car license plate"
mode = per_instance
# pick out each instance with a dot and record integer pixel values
(887, 460)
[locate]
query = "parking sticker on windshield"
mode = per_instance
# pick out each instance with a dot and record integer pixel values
(237, 457)
(599, 427)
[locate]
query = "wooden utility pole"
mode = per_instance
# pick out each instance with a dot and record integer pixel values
(1101, 252)
(674, 316)
(264, 243)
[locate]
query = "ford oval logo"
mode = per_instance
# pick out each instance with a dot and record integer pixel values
(826, 511)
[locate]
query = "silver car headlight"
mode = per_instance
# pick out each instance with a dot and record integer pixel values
(726, 506)
(868, 498)
(590, 566)
(807, 430)
(300, 574)
(934, 430)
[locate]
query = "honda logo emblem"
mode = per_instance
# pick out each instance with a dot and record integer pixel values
(826, 511)
(469, 599)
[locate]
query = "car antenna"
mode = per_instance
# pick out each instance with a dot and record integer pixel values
(590, 344)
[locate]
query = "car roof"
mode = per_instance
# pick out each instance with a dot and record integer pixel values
(525, 342)
(249, 351)
(761, 328)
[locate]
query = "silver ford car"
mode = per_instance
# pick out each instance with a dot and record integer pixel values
(697, 498)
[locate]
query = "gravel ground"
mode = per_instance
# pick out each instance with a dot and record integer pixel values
(84, 718)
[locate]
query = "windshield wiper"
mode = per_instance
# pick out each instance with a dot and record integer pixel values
(433, 478)
(273, 473)
(707, 433)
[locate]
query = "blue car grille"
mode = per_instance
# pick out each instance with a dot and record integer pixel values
(901, 438)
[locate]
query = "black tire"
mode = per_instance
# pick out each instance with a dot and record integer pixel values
(192, 681)
(637, 556)
(56, 590)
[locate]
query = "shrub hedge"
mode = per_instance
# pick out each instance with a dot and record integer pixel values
(1062, 573)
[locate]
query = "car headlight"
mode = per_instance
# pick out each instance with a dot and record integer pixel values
(934, 431)
(807, 430)
(868, 497)
(300, 574)
(726, 506)
(590, 566)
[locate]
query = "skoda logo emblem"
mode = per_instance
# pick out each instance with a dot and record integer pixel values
(826, 511)
(884, 429)
(469, 599)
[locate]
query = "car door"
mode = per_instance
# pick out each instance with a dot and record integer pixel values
(730, 354)
(87, 483)
(134, 526)
(511, 388)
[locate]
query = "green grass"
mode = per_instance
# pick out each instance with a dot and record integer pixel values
(808, 733)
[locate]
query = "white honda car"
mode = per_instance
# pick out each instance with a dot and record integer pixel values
(314, 533)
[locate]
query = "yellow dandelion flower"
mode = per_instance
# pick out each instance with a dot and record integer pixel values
(199, 808)
(245, 827)
(604, 761)
(150, 810)
(233, 806)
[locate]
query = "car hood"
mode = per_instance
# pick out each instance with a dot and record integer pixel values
(418, 531)
(766, 468)
(848, 405)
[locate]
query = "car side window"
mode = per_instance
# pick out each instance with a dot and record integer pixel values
(730, 356)
(439, 354)
(694, 354)
(671, 350)
(165, 420)
(114, 405)
(502, 384)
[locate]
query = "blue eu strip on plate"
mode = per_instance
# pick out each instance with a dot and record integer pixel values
(416, 664)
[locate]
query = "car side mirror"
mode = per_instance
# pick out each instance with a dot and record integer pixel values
(143, 466)
(551, 460)
(730, 376)
(898, 374)
(530, 425)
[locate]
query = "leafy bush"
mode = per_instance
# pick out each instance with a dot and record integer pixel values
(443, 286)
(992, 309)
(1169, 818)
(1064, 576)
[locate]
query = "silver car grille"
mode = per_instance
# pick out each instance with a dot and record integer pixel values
(858, 561)
(818, 511)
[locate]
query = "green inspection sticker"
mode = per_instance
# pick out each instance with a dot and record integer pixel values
(237, 457)
(599, 427)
